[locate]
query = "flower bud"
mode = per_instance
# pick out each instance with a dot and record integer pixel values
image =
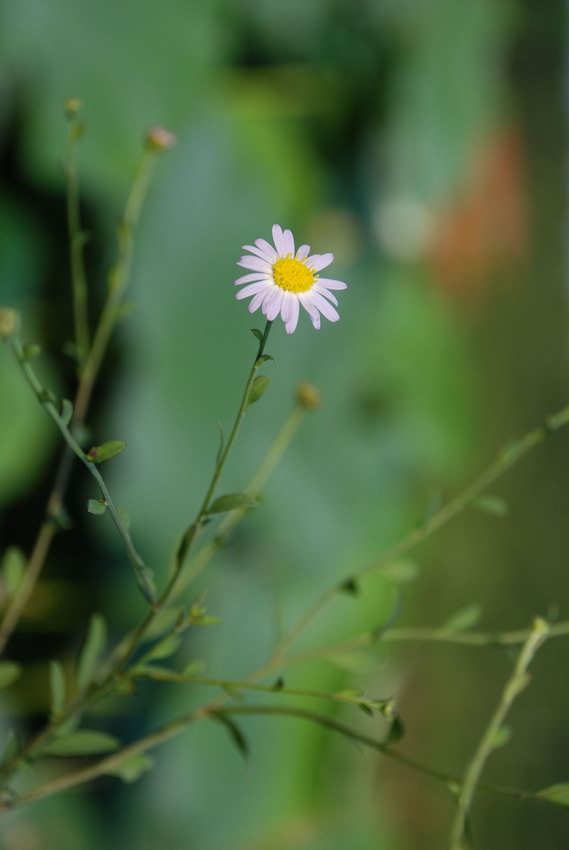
(72, 106)
(9, 320)
(308, 397)
(159, 139)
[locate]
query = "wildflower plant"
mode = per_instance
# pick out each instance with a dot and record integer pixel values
(280, 278)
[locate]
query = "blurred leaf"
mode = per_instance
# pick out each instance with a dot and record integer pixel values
(66, 411)
(9, 672)
(259, 388)
(232, 502)
(165, 648)
(555, 794)
(57, 684)
(264, 358)
(10, 748)
(396, 731)
(163, 622)
(463, 620)
(193, 668)
(491, 505)
(400, 572)
(106, 451)
(30, 350)
(124, 517)
(82, 743)
(92, 651)
(235, 732)
(96, 506)
(132, 769)
(13, 569)
(350, 586)
(502, 737)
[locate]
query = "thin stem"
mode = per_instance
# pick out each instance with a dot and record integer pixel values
(76, 241)
(109, 764)
(504, 462)
(47, 402)
(514, 686)
(88, 377)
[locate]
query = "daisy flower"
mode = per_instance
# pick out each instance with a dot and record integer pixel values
(282, 280)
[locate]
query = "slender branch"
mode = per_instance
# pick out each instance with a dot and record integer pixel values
(88, 377)
(76, 236)
(514, 686)
(506, 459)
(109, 764)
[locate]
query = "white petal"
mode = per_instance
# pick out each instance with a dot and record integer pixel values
(322, 305)
(290, 326)
(252, 289)
(250, 278)
(267, 248)
(256, 302)
(332, 284)
(258, 252)
(279, 240)
(320, 261)
(310, 309)
(303, 252)
(255, 264)
(289, 242)
(286, 307)
(272, 304)
(325, 294)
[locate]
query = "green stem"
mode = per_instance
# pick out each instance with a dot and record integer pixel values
(514, 686)
(76, 242)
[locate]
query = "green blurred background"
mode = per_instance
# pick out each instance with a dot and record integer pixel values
(424, 143)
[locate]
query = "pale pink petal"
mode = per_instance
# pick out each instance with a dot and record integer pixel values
(255, 264)
(325, 293)
(290, 326)
(289, 242)
(303, 252)
(258, 252)
(310, 309)
(252, 289)
(322, 305)
(250, 278)
(279, 240)
(332, 284)
(256, 302)
(320, 261)
(267, 248)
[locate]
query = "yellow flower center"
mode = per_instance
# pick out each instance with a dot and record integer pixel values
(292, 275)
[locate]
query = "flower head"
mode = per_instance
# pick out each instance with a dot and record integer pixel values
(282, 280)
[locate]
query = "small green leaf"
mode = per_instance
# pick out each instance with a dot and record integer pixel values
(30, 350)
(221, 443)
(400, 572)
(92, 650)
(350, 586)
(257, 333)
(264, 358)
(9, 672)
(13, 569)
(193, 668)
(10, 748)
(396, 731)
(279, 684)
(232, 502)
(82, 743)
(66, 411)
(57, 685)
(164, 648)
(558, 794)
(106, 451)
(131, 769)
(491, 505)
(259, 388)
(235, 732)
(163, 622)
(463, 620)
(97, 507)
(502, 737)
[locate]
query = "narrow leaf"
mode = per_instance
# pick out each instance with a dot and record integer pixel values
(235, 732)
(555, 794)
(106, 451)
(66, 411)
(400, 572)
(10, 748)
(502, 737)
(9, 672)
(232, 502)
(264, 358)
(13, 569)
(463, 620)
(132, 769)
(92, 650)
(82, 743)
(257, 333)
(259, 388)
(165, 648)
(57, 684)
(350, 586)
(491, 505)
(396, 731)
(163, 622)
